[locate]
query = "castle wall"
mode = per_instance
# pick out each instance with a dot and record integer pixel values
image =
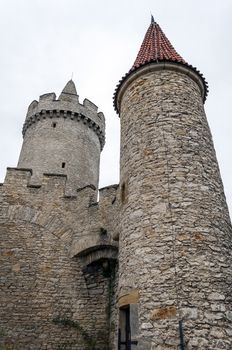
(50, 299)
(175, 230)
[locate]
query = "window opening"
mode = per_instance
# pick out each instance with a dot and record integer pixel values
(123, 192)
(128, 331)
(63, 165)
(54, 125)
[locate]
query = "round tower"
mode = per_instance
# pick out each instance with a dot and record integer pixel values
(63, 137)
(175, 229)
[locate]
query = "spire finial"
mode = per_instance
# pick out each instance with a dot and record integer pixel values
(152, 19)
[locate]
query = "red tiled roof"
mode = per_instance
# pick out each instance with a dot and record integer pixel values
(156, 47)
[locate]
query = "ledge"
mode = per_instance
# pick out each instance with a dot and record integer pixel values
(55, 175)
(115, 186)
(93, 248)
(19, 169)
(98, 253)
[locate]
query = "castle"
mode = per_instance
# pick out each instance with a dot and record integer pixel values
(143, 265)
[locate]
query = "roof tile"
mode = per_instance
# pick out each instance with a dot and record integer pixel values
(156, 47)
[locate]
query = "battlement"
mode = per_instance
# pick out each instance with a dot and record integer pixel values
(51, 197)
(18, 182)
(66, 106)
(108, 194)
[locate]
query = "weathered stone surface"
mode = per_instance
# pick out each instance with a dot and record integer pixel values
(49, 299)
(60, 284)
(63, 137)
(163, 313)
(130, 298)
(175, 231)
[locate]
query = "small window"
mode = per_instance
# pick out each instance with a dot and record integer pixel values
(54, 125)
(124, 193)
(128, 327)
(63, 165)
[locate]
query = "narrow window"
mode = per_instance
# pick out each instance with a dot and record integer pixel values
(124, 328)
(63, 165)
(123, 192)
(128, 327)
(54, 125)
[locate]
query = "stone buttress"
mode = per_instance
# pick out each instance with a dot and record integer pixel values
(175, 230)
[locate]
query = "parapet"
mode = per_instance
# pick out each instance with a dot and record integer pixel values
(18, 182)
(108, 194)
(66, 106)
(48, 204)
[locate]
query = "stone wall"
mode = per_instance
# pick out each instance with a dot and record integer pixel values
(49, 298)
(63, 137)
(175, 231)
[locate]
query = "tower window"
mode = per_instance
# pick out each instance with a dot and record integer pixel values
(128, 327)
(124, 192)
(54, 125)
(63, 165)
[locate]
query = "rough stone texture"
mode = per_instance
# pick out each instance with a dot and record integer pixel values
(72, 147)
(60, 284)
(175, 231)
(41, 281)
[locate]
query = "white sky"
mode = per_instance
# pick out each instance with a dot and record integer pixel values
(43, 41)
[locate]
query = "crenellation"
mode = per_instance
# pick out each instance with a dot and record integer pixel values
(101, 117)
(48, 97)
(17, 177)
(107, 195)
(143, 264)
(18, 183)
(49, 105)
(108, 190)
(32, 107)
(54, 184)
(90, 105)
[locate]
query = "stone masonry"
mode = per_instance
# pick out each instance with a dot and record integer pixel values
(58, 260)
(143, 265)
(175, 230)
(44, 281)
(63, 137)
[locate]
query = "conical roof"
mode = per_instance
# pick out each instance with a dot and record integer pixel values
(156, 48)
(69, 88)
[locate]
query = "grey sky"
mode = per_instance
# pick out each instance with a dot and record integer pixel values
(43, 41)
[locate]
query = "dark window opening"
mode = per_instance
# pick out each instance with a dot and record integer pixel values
(54, 125)
(128, 327)
(63, 165)
(123, 192)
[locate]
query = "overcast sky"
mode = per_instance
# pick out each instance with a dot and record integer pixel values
(44, 41)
